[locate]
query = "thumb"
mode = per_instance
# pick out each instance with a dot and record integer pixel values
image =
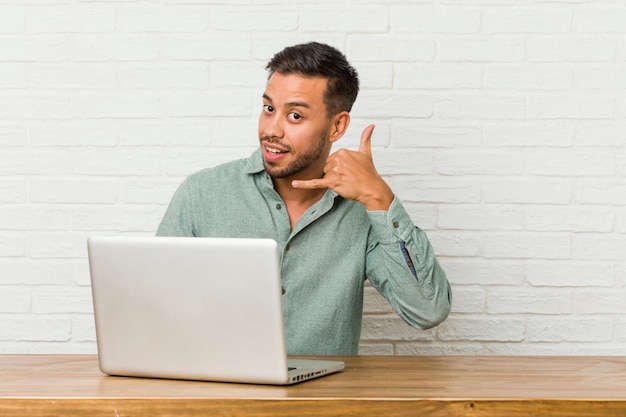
(366, 140)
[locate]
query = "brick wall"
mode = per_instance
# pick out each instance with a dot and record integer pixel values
(501, 124)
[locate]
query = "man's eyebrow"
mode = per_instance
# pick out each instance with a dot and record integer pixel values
(289, 104)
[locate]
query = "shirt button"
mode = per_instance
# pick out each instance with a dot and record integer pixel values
(287, 247)
(283, 291)
(278, 206)
(396, 225)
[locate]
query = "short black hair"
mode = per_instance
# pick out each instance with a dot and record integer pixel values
(315, 59)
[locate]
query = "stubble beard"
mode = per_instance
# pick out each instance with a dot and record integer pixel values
(301, 163)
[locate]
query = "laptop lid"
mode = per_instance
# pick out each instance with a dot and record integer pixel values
(191, 308)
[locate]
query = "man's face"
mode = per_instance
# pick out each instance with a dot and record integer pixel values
(293, 127)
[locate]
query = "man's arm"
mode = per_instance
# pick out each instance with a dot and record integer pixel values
(400, 263)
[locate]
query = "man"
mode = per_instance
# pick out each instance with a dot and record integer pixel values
(335, 219)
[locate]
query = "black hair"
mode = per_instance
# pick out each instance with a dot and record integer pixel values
(320, 60)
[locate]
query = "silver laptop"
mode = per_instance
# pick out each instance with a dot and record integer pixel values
(193, 308)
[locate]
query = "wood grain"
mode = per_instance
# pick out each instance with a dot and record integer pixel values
(53, 385)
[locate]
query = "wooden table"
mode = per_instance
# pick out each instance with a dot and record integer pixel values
(64, 385)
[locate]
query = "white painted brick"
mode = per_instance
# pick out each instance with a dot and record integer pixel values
(529, 134)
(119, 161)
(162, 18)
(600, 19)
(74, 133)
(586, 163)
(437, 348)
(229, 132)
(605, 301)
(178, 76)
(23, 161)
(436, 191)
(527, 77)
(424, 215)
(34, 328)
(84, 191)
(602, 192)
(48, 300)
(116, 47)
(249, 19)
(34, 48)
(535, 19)
(80, 274)
(391, 327)
(22, 271)
(620, 220)
(116, 106)
(83, 328)
(435, 76)
(364, 19)
(620, 330)
(73, 76)
(11, 19)
(380, 349)
(490, 107)
(33, 218)
(571, 106)
(118, 219)
(596, 246)
(575, 219)
(13, 136)
(480, 49)
(205, 47)
(13, 191)
(57, 245)
(530, 301)
(238, 74)
(12, 245)
(372, 104)
(403, 48)
(199, 103)
(474, 271)
(462, 217)
(266, 45)
(601, 134)
(12, 76)
(527, 245)
(68, 19)
(429, 19)
(570, 274)
(178, 133)
(32, 107)
(620, 275)
(474, 162)
(542, 191)
(456, 244)
(403, 161)
(608, 76)
(15, 299)
(375, 75)
(482, 329)
(185, 162)
(568, 329)
(569, 49)
(413, 134)
(468, 300)
(374, 302)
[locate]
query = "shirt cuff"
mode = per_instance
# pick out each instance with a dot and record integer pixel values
(392, 225)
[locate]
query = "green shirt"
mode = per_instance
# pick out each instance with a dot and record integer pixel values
(335, 246)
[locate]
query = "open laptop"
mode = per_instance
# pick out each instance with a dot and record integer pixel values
(193, 308)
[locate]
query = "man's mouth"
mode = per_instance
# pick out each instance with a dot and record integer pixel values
(273, 151)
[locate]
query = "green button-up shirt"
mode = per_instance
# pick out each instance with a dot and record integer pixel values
(335, 246)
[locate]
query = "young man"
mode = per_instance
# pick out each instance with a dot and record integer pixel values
(335, 219)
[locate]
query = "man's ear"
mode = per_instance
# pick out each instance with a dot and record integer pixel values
(339, 125)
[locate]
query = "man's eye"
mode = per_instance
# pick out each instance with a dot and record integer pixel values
(268, 108)
(295, 116)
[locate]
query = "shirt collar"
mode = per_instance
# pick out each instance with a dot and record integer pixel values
(255, 166)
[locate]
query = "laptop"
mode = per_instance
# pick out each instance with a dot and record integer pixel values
(206, 309)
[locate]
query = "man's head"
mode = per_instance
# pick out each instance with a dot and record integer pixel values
(320, 60)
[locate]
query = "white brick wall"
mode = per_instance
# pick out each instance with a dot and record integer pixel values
(501, 124)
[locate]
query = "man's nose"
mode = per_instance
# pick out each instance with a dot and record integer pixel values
(273, 127)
